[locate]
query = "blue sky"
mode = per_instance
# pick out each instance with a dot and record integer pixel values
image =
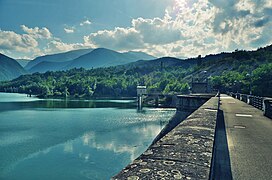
(181, 28)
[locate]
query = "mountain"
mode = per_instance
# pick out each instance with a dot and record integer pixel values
(23, 62)
(139, 55)
(9, 68)
(61, 57)
(240, 62)
(102, 57)
(44, 66)
(236, 71)
(162, 62)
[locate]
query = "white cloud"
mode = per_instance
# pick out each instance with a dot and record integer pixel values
(86, 22)
(188, 28)
(10, 40)
(37, 33)
(157, 30)
(69, 30)
(57, 46)
(143, 33)
(194, 27)
(118, 39)
(27, 44)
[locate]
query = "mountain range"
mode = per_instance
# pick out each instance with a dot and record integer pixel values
(163, 62)
(10, 68)
(55, 58)
(86, 58)
(82, 58)
(23, 62)
(102, 57)
(239, 70)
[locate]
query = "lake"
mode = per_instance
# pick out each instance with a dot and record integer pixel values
(76, 139)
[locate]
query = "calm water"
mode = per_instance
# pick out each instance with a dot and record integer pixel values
(54, 139)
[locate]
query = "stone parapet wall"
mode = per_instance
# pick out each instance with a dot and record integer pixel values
(183, 153)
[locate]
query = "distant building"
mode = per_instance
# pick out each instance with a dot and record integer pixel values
(200, 87)
(141, 90)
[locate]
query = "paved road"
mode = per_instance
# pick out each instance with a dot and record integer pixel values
(248, 139)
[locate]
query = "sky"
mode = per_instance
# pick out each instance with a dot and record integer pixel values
(178, 28)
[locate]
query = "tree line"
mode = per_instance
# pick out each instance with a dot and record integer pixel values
(239, 71)
(101, 82)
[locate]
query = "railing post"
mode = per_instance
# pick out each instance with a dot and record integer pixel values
(238, 96)
(254, 101)
(244, 98)
(264, 104)
(250, 100)
(268, 107)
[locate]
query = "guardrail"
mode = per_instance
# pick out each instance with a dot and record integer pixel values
(262, 103)
(268, 107)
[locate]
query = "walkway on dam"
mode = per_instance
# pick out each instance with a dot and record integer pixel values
(244, 142)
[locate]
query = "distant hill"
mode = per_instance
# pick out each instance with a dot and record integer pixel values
(240, 71)
(45, 66)
(163, 62)
(9, 68)
(61, 57)
(239, 61)
(84, 58)
(23, 62)
(102, 57)
(139, 55)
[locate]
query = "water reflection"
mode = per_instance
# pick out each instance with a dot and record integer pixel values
(55, 104)
(129, 140)
(68, 147)
(15, 97)
(54, 139)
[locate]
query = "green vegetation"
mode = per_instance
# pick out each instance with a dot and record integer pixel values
(240, 71)
(245, 72)
(102, 82)
(9, 68)
(259, 81)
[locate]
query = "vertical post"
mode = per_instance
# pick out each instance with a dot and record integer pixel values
(268, 107)
(157, 101)
(249, 99)
(249, 76)
(140, 107)
(30, 93)
(141, 90)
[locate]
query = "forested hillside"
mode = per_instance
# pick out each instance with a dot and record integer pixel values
(106, 82)
(9, 68)
(238, 71)
(242, 71)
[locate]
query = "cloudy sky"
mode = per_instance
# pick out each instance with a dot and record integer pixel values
(180, 28)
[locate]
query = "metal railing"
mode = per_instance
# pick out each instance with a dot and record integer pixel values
(268, 107)
(262, 103)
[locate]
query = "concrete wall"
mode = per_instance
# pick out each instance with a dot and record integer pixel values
(186, 105)
(183, 153)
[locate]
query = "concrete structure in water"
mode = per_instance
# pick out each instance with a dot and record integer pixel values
(185, 105)
(223, 139)
(200, 87)
(141, 90)
(185, 151)
(192, 102)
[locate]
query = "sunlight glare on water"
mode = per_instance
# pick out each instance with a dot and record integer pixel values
(55, 139)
